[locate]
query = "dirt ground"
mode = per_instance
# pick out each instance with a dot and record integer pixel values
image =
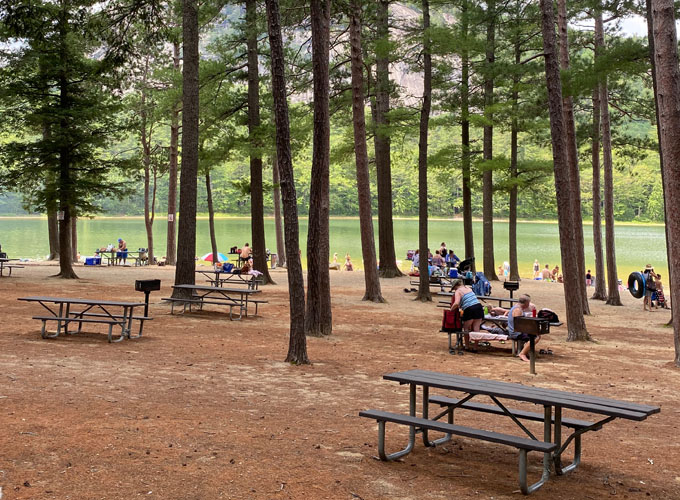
(203, 407)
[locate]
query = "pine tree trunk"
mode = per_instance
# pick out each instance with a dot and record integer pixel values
(53, 234)
(424, 288)
(256, 191)
(372, 283)
(465, 137)
(146, 161)
(668, 96)
(613, 297)
(64, 181)
(572, 162)
(74, 239)
(650, 42)
(600, 288)
(297, 347)
(186, 248)
(171, 252)
(568, 244)
(381, 139)
(280, 244)
(211, 217)
(514, 131)
(318, 316)
(487, 176)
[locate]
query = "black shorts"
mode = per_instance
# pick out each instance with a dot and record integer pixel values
(475, 311)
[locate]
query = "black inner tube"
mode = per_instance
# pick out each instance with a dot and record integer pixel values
(636, 285)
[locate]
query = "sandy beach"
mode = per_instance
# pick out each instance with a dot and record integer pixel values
(202, 407)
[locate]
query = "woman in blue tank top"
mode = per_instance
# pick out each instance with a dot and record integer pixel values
(464, 298)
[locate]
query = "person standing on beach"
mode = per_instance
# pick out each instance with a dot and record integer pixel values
(537, 268)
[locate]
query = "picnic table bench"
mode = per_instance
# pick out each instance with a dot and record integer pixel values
(59, 309)
(553, 401)
(5, 265)
(238, 298)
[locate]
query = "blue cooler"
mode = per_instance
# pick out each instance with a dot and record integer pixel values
(93, 261)
(453, 273)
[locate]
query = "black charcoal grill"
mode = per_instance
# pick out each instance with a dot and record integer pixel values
(511, 286)
(147, 286)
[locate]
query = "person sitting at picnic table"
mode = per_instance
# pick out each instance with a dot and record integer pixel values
(348, 263)
(452, 260)
(416, 261)
(122, 253)
(437, 260)
(520, 309)
(442, 250)
(464, 298)
(546, 274)
(246, 251)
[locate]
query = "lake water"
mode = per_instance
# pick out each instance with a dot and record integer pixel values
(636, 245)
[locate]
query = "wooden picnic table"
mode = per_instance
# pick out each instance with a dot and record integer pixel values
(231, 297)
(111, 257)
(108, 312)
(220, 278)
(552, 445)
(6, 266)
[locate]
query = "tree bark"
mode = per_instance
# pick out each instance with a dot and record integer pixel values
(280, 244)
(66, 203)
(74, 239)
(573, 303)
(186, 248)
(171, 245)
(371, 280)
(146, 161)
(256, 191)
(211, 217)
(650, 40)
(600, 288)
(53, 234)
(572, 161)
(514, 132)
(318, 316)
(424, 281)
(613, 297)
(465, 136)
(382, 143)
(668, 96)
(487, 176)
(297, 347)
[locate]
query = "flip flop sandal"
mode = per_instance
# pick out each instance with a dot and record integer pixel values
(414, 289)
(406, 290)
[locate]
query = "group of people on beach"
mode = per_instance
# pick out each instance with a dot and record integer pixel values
(347, 266)
(546, 274)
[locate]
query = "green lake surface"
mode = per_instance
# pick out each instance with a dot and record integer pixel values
(636, 245)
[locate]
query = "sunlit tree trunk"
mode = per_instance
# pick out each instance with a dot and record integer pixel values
(171, 245)
(186, 248)
(318, 316)
(278, 223)
(613, 297)
(211, 216)
(487, 176)
(297, 346)
(668, 96)
(371, 280)
(600, 288)
(424, 288)
(572, 162)
(382, 142)
(576, 327)
(256, 190)
(53, 234)
(465, 136)
(514, 132)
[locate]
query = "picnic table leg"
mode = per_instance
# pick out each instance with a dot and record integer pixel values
(532, 355)
(426, 441)
(558, 440)
(411, 432)
(547, 458)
